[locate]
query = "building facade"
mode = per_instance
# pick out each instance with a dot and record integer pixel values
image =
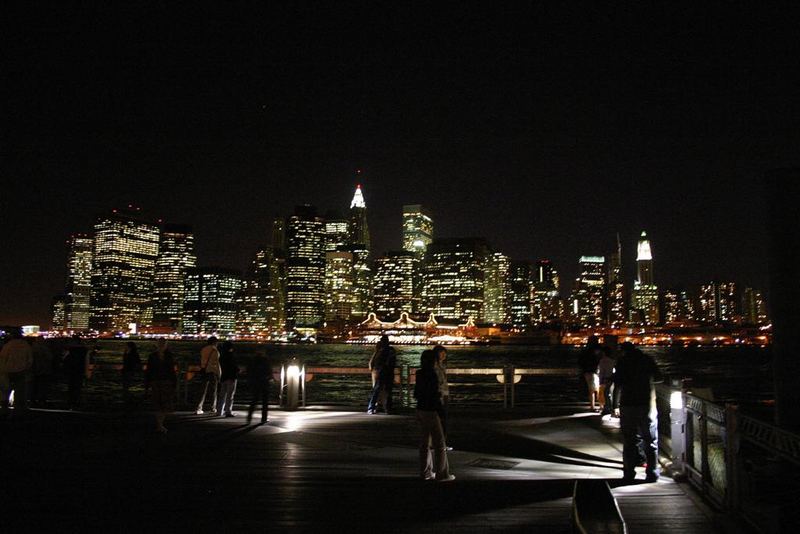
(393, 291)
(123, 266)
(718, 302)
(588, 292)
(339, 285)
(496, 290)
(454, 278)
(260, 310)
(520, 291)
(644, 308)
(417, 229)
(305, 268)
(211, 301)
(754, 308)
(175, 256)
(78, 291)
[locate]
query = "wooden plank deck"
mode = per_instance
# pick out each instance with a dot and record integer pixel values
(316, 470)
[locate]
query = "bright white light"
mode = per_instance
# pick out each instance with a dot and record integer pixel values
(358, 199)
(643, 252)
(418, 243)
(293, 371)
(676, 400)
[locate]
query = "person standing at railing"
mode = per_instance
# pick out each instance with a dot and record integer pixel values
(131, 366)
(259, 375)
(161, 380)
(444, 387)
(210, 372)
(229, 376)
(587, 361)
(76, 366)
(382, 363)
(636, 372)
(429, 403)
(605, 373)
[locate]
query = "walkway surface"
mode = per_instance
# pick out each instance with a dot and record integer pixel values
(318, 469)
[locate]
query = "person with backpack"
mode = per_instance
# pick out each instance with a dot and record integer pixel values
(382, 364)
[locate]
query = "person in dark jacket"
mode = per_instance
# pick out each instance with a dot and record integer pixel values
(382, 364)
(160, 378)
(259, 375)
(429, 403)
(131, 366)
(75, 366)
(635, 374)
(587, 361)
(228, 379)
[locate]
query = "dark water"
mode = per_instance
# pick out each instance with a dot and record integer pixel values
(742, 373)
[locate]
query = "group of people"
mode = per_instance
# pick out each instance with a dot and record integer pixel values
(432, 394)
(29, 369)
(621, 383)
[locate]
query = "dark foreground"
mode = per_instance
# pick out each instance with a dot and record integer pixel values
(317, 470)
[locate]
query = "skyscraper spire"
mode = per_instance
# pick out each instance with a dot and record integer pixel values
(358, 199)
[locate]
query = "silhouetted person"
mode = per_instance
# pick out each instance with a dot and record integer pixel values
(587, 361)
(228, 377)
(384, 358)
(131, 367)
(429, 404)
(259, 375)
(160, 378)
(43, 371)
(635, 374)
(210, 372)
(75, 367)
(444, 387)
(605, 373)
(16, 360)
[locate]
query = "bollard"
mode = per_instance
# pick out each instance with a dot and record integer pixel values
(292, 378)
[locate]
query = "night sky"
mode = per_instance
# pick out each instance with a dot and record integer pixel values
(545, 129)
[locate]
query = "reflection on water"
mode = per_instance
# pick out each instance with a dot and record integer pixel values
(742, 372)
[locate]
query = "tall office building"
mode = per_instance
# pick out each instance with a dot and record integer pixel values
(417, 229)
(211, 301)
(277, 237)
(588, 292)
(79, 283)
(678, 307)
(615, 290)
(175, 256)
(718, 302)
(393, 291)
(362, 281)
(305, 268)
(123, 265)
(358, 228)
(260, 310)
(545, 301)
(339, 285)
(644, 308)
(454, 278)
(520, 288)
(59, 314)
(754, 308)
(336, 232)
(496, 291)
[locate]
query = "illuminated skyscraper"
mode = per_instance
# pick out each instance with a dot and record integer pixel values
(587, 295)
(496, 292)
(520, 294)
(210, 303)
(718, 302)
(260, 311)
(644, 297)
(339, 285)
(362, 281)
(125, 252)
(393, 292)
(678, 307)
(454, 278)
(754, 308)
(336, 232)
(79, 283)
(615, 289)
(58, 310)
(417, 229)
(358, 228)
(546, 304)
(175, 257)
(305, 268)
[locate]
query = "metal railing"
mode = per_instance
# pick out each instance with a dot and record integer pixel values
(740, 463)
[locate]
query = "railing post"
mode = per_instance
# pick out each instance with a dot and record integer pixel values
(732, 462)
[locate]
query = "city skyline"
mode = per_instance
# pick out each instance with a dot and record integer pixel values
(547, 146)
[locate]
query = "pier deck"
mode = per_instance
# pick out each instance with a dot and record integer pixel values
(319, 469)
